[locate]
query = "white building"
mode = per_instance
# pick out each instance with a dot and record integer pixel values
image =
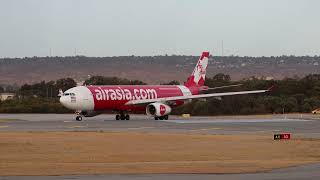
(6, 96)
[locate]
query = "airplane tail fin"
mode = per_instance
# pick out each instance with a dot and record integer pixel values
(198, 75)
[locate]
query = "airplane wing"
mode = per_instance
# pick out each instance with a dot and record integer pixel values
(165, 99)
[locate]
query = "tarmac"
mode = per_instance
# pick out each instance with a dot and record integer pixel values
(298, 125)
(309, 172)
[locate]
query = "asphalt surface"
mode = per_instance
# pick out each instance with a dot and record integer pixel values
(297, 125)
(309, 172)
(307, 126)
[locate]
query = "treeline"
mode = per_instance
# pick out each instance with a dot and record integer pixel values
(101, 80)
(291, 95)
(37, 98)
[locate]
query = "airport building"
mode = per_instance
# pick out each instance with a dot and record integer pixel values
(6, 96)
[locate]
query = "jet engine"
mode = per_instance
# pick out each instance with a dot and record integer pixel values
(89, 113)
(158, 109)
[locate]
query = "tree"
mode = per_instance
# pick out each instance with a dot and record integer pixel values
(11, 88)
(26, 90)
(65, 83)
(173, 82)
(101, 80)
(137, 82)
(314, 102)
(272, 104)
(289, 104)
(200, 108)
(221, 77)
(306, 108)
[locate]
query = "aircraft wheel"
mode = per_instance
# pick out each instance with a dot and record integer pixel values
(79, 118)
(156, 118)
(166, 117)
(122, 117)
(127, 117)
(117, 117)
(161, 117)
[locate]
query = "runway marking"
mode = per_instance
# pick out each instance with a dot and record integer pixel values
(77, 126)
(140, 128)
(4, 126)
(207, 129)
(67, 121)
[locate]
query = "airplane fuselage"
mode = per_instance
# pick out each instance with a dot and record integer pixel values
(114, 98)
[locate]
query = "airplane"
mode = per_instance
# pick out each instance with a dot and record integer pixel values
(155, 100)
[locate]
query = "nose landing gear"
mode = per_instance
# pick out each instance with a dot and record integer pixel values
(79, 118)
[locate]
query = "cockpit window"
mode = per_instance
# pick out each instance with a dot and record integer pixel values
(69, 94)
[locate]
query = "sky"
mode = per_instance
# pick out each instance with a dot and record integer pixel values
(159, 27)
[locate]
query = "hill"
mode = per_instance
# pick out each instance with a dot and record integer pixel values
(151, 69)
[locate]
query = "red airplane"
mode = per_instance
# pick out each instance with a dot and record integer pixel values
(155, 100)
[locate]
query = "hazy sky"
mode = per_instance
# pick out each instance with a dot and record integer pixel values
(153, 27)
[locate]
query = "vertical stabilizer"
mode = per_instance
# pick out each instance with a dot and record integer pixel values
(198, 75)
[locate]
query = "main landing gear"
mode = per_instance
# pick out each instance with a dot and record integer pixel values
(166, 117)
(122, 116)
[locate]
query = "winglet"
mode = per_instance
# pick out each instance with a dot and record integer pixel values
(272, 88)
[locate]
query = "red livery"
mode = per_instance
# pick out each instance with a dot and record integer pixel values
(154, 100)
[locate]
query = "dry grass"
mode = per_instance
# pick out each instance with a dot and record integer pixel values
(62, 153)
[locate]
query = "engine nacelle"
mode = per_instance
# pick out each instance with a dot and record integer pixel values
(89, 113)
(158, 109)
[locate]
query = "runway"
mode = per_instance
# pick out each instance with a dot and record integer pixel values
(306, 126)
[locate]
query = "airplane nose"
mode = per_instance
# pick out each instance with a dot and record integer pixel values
(63, 100)
(67, 102)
